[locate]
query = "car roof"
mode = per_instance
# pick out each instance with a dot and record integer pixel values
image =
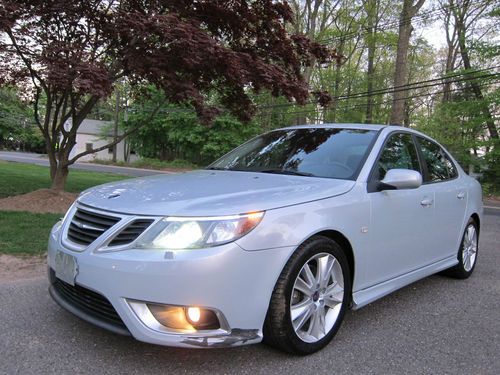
(339, 126)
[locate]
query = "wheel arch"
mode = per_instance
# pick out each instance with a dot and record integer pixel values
(344, 244)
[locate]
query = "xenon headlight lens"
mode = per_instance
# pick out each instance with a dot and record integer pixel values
(198, 232)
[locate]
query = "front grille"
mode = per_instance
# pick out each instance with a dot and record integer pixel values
(88, 301)
(131, 232)
(87, 226)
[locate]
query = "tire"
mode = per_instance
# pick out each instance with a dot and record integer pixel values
(325, 297)
(467, 253)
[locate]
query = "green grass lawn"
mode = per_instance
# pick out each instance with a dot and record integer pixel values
(19, 178)
(24, 233)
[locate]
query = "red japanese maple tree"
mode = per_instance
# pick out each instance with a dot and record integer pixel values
(70, 54)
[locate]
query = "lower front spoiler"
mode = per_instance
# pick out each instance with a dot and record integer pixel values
(69, 305)
(56, 296)
(235, 337)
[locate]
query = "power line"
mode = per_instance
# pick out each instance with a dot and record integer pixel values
(394, 90)
(362, 105)
(409, 86)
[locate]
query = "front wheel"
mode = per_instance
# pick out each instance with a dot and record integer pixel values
(310, 298)
(467, 253)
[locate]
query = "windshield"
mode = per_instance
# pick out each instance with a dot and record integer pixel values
(317, 152)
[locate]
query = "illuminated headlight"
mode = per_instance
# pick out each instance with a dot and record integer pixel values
(198, 232)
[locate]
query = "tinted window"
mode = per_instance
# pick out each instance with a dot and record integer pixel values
(439, 165)
(320, 152)
(399, 152)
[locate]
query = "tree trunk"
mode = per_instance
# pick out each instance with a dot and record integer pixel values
(115, 127)
(371, 8)
(448, 68)
(451, 53)
(369, 78)
(59, 178)
(401, 70)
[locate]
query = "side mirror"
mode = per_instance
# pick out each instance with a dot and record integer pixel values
(400, 179)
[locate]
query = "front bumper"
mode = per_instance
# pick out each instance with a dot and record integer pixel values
(236, 282)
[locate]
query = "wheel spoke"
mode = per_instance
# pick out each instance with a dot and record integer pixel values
(328, 272)
(321, 269)
(308, 275)
(467, 262)
(303, 287)
(472, 259)
(334, 295)
(473, 249)
(470, 234)
(315, 325)
(324, 271)
(302, 315)
(466, 242)
(321, 321)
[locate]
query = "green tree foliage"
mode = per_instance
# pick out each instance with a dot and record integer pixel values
(17, 129)
(459, 124)
(175, 132)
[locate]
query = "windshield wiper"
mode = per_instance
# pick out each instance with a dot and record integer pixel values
(286, 171)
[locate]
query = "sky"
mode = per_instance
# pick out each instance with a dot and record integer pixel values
(435, 35)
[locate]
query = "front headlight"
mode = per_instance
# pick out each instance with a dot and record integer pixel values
(198, 232)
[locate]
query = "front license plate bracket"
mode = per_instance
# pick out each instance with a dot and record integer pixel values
(66, 267)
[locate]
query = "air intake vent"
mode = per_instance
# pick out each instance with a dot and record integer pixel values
(87, 226)
(88, 302)
(131, 232)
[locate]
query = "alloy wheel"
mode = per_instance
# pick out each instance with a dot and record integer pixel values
(469, 248)
(317, 297)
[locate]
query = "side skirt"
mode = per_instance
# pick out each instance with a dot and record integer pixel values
(368, 295)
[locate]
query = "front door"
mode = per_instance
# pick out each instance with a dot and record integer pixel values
(402, 221)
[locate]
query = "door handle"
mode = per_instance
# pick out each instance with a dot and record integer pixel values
(426, 202)
(461, 195)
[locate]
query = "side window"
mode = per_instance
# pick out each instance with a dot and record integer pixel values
(439, 165)
(399, 152)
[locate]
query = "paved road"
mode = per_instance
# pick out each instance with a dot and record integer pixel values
(30, 158)
(437, 325)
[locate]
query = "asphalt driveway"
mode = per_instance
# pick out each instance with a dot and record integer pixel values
(437, 325)
(37, 159)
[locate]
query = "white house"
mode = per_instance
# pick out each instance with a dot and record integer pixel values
(95, 133)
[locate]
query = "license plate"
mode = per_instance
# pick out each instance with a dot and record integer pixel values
(66, 267)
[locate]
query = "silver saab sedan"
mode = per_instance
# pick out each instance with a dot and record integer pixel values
(274, 241)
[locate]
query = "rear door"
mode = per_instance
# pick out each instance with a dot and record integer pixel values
(450, 197)
(402, 221)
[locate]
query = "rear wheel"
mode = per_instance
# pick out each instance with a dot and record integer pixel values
(310, 298)
(467, 253)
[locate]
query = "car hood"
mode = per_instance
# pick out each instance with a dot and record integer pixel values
(208, 193)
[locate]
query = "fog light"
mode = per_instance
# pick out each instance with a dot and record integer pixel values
(184, 319)
(202, 319)
(171, 317)
(194, 314)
